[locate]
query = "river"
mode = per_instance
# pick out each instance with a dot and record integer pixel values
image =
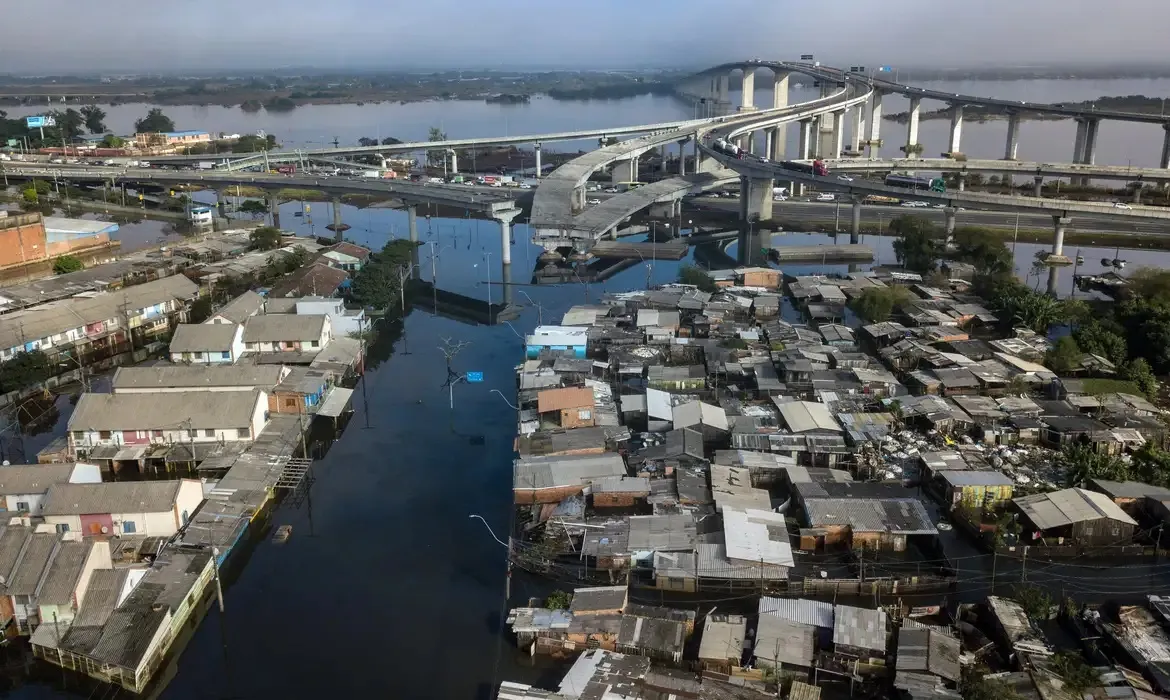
(386, 580)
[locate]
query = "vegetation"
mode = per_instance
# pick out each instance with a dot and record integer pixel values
(95, 119)
(1065, 356)
(982, 248)
(280, 104)
(975, 685)
(67, 263)
(379, 283)
(1082, 462)
(875, 304)
(154, 121)
(1078, 676)
(111, 141)
(558, 600)
(916, 247)
(69, 124)
(689, 274)
(253, 207)
(264, 238)
(200, 310)
(24, 370)
(1036, 602)
(280, 263)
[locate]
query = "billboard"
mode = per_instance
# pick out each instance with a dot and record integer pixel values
(39, 122)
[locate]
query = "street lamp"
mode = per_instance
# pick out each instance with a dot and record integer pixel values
(505, 398)
(489, 528)
(539, 308)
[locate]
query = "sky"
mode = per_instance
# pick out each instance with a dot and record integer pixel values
(134, 36)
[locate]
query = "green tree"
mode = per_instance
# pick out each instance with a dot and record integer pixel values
(95, 118)
(916, 247)
(42, 187)
(984, 249)
(689, 274)
(390, 141)
(1065, 356)
(67, 263)
(378, 284)
(112, 141)
(1095, 337)
(23, 370)
(1150, 283)
(154, 121)
(253, 207)
(200, 310)
(69, 123)
(264, 238)
(1138, 371)
(1036, 602)
(559, 600)
(1075, 311)
(975, 685)
(1081, 463)
(1078, 676)
(30, 196)
(1150, 464)
(875, 304)
(435, 158)
(366, 142)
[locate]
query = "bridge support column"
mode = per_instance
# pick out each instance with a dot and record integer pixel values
(505, 218)
(838, 142)
(911, 147)
(777, 149)
(412, 227)
(698, 155)
(962, 181)
(623, 171)
(274, 209)
(858, 129)
(1079, 141)
(779, 133)
(1037, 186)
(338, 226)
(1057, 257)
(1137, 194)
(804, 144)
(855, 223)
(1090, 149)
(1164, 162)
(780, 91)
(662, 159)
(454, 162)
(1013, 137)
(721, 91)
(539, 168)
(949, 226)
(875, 124)
(756, 198)
(955, 145)
(682, 158)
(747, 100)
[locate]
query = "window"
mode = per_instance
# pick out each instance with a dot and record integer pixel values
(290, 402)
(584, 414)
(192, 434)
(104, 434)
(62, 528)
(156, 433)
(209, 433)
(79, 435)
(225, 356)
(23, 506)
(312, 343)
(1087, 531)
(186, 357)
(128, 526)
(244, 433)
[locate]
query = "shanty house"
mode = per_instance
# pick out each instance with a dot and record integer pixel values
(570, 407)
(151, 508)
(721, 648)
(68, 578)
(974, 488)
(1074, 516)
(553, 479)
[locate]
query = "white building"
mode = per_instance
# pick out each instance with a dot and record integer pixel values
(23, 486)
(207, 343)
(151, 508)
(167, 418)
(342, 321)
(287, 333)
(201, 216)
(68, 579)
(239, 309)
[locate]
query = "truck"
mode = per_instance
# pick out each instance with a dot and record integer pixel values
(208, 165)
(817, 167)
(370, 173)
(727, 148)
(911, 182)
(287, 169)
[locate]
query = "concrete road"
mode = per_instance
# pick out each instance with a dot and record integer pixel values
(875, 215)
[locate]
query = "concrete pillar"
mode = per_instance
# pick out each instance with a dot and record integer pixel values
(623, 171)
(634, 168)
(858, 128)
(814, 146)
(780, 91)
(747, 99)
(698, 155)
(777, 149)
(804, 145)
(956, 129)
(1164, 162)
(912, 125)
(875, 124)
(1059, 223)
(505, 219)
(838, 142)
(1037, 186)
(337, 225)
(949, 218)
(769, 134)
(412, 227)
(1079, 141)
(757, 194)
(662, 158)
(274, 209)
(855, 223)
(1013, 137)
(1137, 194)
(721, 90)
(962, 178)
(454, 162)
(539, 168)
(1089, 154)
(682, 158)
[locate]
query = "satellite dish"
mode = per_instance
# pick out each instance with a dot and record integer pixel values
(105, 530)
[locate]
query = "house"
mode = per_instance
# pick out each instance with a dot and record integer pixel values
(68, 579)
(300, 391)
(287, 333)
(708, 419)
(314, 279)
(215, 343)
(620, 491)
(347, 256)
(23, 486)
(343, 321)
(144, 379)
(22, 586)
(974, 489)
(765, 277)
(561, 340)
(722, 645)
(927, 660)
(553, 479)
(859, 516)
(13, 539)
(151, 508)
(570, 407)
(187, 418)
(656, 635)
(1129, 495)
(599, 600)
(81, 325)
(239, 309)
(1069, 430)
(790, 631)
(1074, 516)
(860, 632)
(681, 379)
(170, 139)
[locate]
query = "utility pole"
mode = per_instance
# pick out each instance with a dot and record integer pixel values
(450, 350)
(1024, 568)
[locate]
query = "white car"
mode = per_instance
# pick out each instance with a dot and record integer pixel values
(1121, 205)
(762, 159)
(845, 178)
(915, 205)
(525, 186)
(938, 206)
(593, 201)
(779, 198)
(826, 197)
(610, 190)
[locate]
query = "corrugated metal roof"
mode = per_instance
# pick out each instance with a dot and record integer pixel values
(64, 571)
(562, 399)
(196, 376)
(723, 637)
(21, 479)
(192, 410)
(757, 536)
(807, 612)
(1067, 506)
(802, 416)
(968, 477)
(905, 516)
(112, 497)
(860, 627)
(32, 564)
(567, 470)
(782, 641)
(206, 337)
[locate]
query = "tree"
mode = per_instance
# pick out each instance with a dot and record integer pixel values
(1081, 463)
(94, 117)
(30, 196)
(689, 274)
(1065, 356)
(984, 249)
(1138, 371)
(264, 238)
(1075, 311)
(111, 141)
(875, 304)
(1036, 602)
(69, 123)
(154, 121)
(251, 143)
(975, 685)
(379, 283)
(916, 249)
(200, 310)
(23, 370)
(253, 207)
(67, 263)
(390, 141)
(1151, 465)
(1150, 283)
(436, 157)
(1095, 337)
(558, 600)
(1078, 676)
(366, 142)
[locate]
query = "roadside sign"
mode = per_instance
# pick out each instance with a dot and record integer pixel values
(885, 69)
(806, 57)
(474, 376)
(39, 122)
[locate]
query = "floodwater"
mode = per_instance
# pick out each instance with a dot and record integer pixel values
(387, 588)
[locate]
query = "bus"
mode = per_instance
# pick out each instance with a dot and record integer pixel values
(916, 183)
(627, 186)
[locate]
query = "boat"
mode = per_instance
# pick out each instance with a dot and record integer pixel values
(282, 534)
(1080, 260)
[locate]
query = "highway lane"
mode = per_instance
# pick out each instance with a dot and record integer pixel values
(880, 215)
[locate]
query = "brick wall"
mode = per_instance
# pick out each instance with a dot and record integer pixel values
(22, 239)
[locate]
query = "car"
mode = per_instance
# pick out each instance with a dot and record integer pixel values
(938, 206)
(525, 186)
(908, 205)
(56, 161)
(592, 188)
(593, 201)
(610, 190)
(919, 204)
(1121, 205)
(762, 159)
(779, 198)
(826, 197)
(845, 178)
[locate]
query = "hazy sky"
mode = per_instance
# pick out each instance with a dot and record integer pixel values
(131, 35)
